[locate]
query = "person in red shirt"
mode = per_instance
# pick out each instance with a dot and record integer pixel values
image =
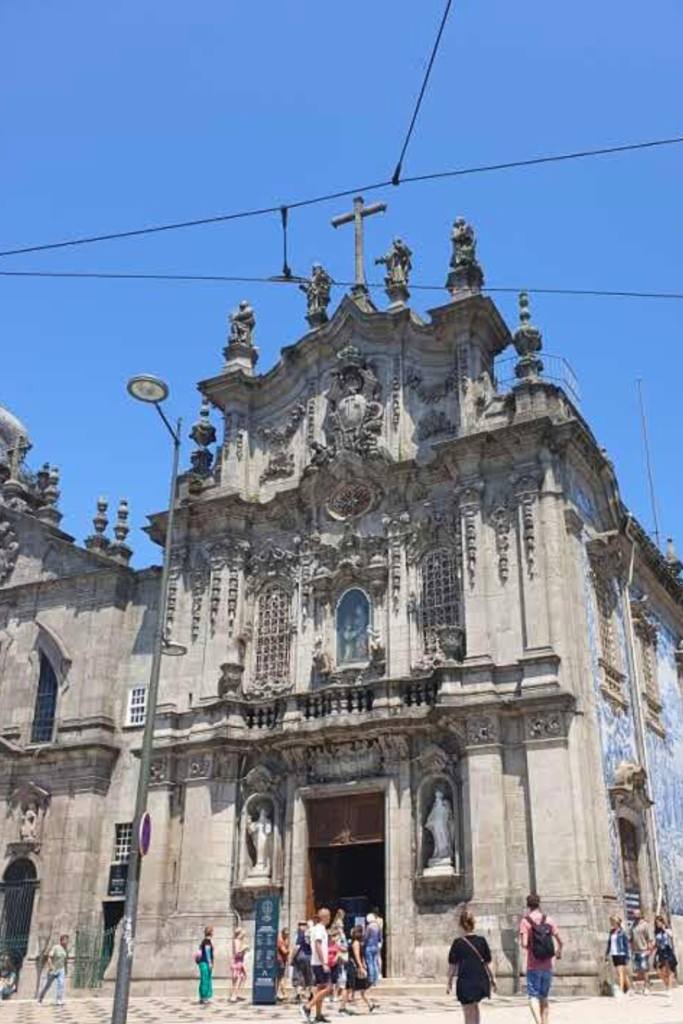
(541, 940)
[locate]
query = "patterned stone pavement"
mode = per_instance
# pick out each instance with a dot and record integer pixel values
(440, 1009)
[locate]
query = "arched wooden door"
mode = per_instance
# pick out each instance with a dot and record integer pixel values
(17, 892)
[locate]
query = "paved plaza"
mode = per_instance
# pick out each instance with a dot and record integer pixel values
(440, 1010)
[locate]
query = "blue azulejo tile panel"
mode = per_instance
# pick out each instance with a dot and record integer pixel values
(665, 755)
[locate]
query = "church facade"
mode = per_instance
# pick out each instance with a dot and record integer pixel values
(430, 658)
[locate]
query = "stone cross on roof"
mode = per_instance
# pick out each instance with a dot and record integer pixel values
(360, 210)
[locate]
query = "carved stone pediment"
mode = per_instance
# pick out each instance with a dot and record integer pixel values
(433, 760)
(271, 562)
(629, 788)
(260, 779)
(354, 420)
(353, 760)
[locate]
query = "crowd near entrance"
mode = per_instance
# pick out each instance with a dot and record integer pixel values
(346, 856)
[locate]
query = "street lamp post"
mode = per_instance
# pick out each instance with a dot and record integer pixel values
(148, 389)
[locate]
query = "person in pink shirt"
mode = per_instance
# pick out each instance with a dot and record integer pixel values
(541, 940)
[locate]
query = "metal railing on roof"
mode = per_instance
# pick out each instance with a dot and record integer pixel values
(556, 369)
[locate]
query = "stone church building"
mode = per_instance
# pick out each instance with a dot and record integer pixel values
(430, 658)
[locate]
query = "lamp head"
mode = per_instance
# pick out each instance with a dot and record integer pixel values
(147, 388)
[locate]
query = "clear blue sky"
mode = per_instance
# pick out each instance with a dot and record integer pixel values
(119, 115)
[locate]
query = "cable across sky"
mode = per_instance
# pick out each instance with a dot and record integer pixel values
(279, 280)
(456, 172)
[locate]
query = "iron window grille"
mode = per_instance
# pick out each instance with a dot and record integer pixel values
(46, 703)
(440, 605)
(273, 635)
(123, 839)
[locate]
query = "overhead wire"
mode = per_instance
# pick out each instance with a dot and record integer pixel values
(328, 196)
(282, 279)
(396, 176)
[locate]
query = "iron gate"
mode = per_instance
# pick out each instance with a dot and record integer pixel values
(17, 893)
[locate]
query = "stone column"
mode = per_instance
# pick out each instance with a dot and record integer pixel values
(399, 867)
(475, 599)
(551, 804)
(486, 868)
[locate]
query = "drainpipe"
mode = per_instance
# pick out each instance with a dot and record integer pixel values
(639, 717)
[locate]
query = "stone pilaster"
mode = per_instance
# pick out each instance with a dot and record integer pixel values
(484, 810)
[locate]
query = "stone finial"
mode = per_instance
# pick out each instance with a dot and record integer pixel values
(47, 480)
(203, 433)
(15, 492)
(317, 291)
(119, 549)
(97, 541)
(240, 352)
(672, 560)
(466, 275)
(397, 260)
(528, 341)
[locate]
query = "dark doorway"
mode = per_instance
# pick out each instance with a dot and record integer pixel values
(112, 912)
(17, 892)
(629, 844)
(350, 877)
(346, 856)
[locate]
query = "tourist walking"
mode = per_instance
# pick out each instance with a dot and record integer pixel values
(204, 959)
(618, 952)
(322, 975)
(469, 960)
(372, 949)
(356, 973)
(238, 967)
(642, 945)
(283, 952)
(542, 943)
(302, 975)
(57, 960)
(665, 957)
(338, 934)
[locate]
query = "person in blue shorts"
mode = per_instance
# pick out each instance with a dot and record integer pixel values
(541, 941)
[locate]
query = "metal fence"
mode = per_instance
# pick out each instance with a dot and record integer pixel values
(556, 369)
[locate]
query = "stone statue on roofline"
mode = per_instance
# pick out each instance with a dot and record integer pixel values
(242, 324)
(466, 275)
(317, 291)
(240, 351)
(398, 262)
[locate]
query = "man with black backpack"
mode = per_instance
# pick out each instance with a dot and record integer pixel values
(540, 938)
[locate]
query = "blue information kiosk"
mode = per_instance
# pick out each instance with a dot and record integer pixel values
(267, 914)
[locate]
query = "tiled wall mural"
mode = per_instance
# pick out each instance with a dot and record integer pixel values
(616, 728)
(666, 767)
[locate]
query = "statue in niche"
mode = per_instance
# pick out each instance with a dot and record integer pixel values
(28, 828)
(353, 622)
(260, 831)
(441, 826)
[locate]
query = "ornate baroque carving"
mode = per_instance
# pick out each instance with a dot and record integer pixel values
(470, 507)
(501, 522)
(545, 725)
(432, 393)
(482, 729)
(9, 549)
(527, 491)
(354, 413)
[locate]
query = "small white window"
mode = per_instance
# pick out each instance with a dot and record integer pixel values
(122, 841)
(137, 706)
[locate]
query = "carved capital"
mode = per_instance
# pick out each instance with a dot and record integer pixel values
(545, 725)
(482, 730)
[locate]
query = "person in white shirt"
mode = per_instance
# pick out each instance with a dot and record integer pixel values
(322, 974)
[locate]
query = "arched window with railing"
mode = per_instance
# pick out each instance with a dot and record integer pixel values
(46, 703)
(441, 602)
(273, 635)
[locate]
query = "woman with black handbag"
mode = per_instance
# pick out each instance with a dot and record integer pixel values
(469, 960)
